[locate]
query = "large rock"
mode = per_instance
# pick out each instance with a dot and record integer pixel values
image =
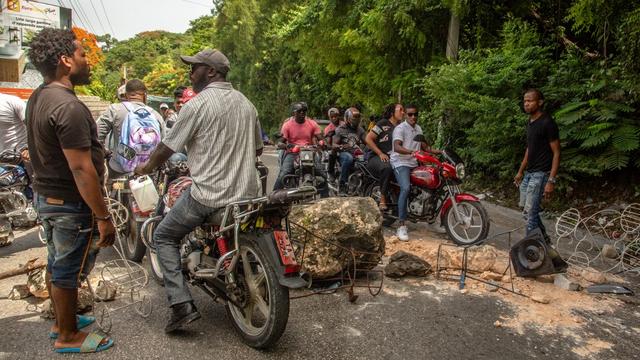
(485, 258)
(405, 264)
(338, 224)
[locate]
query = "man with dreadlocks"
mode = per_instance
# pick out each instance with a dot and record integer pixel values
(68, 166)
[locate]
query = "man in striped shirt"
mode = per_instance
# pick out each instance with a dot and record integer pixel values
(220, 130)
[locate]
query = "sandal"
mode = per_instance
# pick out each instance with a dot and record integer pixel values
(91, 344)
(82, 322)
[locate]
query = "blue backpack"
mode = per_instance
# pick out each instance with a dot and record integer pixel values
(139, 136)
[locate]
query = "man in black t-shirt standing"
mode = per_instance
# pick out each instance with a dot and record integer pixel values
(541, 160)
(68, 165)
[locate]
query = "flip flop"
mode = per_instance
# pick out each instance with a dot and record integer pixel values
(91, 344)
(82, 322)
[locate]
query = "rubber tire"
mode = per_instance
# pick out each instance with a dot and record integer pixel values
(156, 273)
(138, 251)
(485, 224)
(279, 295)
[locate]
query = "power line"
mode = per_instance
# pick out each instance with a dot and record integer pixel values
(80, 11)
(73, 18)
(107, 16)
(197, 3)
(97, 16)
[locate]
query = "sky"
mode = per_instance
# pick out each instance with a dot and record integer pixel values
(123, 19)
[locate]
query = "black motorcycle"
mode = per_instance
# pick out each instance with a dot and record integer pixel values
(16, 209)
(246, 262)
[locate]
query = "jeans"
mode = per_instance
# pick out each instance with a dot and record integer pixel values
(185, 215)
(332, 162)
(382, 170)
(287, 168)
(346, 164)
(531, 192)
(71, 240)
(403, 176)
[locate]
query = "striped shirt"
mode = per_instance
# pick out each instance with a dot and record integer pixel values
(221, 132)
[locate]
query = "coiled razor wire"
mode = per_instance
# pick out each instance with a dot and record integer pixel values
(586, 237)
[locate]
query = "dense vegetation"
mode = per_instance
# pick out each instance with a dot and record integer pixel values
(583, 54)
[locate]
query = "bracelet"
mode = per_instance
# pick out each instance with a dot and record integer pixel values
(105, 218)
(551, 180)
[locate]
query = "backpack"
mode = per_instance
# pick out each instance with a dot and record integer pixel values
(139, 136)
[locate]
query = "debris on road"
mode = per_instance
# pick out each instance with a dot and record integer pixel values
(563, 282)
(405, 264)
(19, 292)
(37, 283)
(23, 269)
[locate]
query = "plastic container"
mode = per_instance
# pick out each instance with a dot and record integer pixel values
(144, 192)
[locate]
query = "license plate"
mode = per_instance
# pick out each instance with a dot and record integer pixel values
(287, 256)
(118, 185)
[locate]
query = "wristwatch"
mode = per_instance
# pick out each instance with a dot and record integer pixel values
(551, 180)
(105, 218)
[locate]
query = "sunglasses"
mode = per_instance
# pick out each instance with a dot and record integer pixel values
(412, 114)
(194, 67)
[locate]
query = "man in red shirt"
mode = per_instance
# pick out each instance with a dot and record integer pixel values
(298, 130)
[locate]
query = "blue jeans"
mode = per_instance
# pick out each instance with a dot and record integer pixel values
(71, 240)
(185, 215)
(346, 164)
(403, 177)
(531, 192)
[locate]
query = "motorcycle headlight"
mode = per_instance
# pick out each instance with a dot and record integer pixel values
(460, 171)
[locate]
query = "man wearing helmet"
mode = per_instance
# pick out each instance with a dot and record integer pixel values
(329, 131)
(298, 130)
(347, 136)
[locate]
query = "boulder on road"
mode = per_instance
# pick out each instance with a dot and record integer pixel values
(405, 264)
(337, 224)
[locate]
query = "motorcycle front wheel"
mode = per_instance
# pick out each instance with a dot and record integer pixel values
(134, 248)
(469, 226)
(265, 312)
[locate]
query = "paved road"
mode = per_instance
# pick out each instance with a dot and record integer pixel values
(409, 320)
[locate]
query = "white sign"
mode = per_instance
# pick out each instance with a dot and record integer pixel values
(27, 16)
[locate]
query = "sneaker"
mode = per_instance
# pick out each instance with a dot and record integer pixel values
(402, 233)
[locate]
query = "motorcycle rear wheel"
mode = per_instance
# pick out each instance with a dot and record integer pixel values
(263, 319)
(470, 227)
(154, 266)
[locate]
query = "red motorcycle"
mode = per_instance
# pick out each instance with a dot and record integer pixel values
(435, 192)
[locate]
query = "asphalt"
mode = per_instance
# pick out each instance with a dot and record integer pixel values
(410, 319)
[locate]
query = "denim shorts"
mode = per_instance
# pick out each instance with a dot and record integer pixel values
(71, 240)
